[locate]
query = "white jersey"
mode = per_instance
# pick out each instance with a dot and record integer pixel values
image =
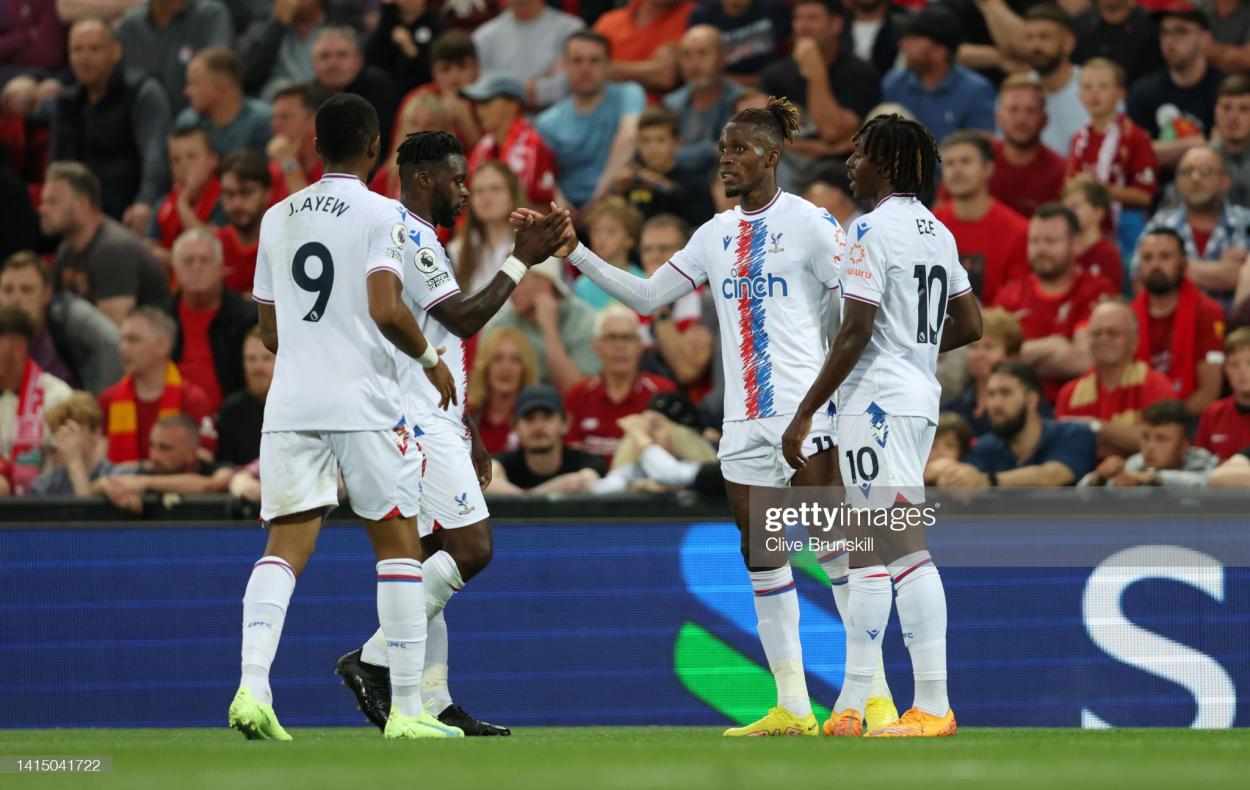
(428, 280)
(770, 273)
(902, 259)
(334, 370)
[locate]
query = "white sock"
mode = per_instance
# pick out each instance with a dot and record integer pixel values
(374, 651)
(264, 610)
(777, 612)
(922, 615)
(401, 606)
(837, 566)
(434, 689)
(868, 611)
(442, 580)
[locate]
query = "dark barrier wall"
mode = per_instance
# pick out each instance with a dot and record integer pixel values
(1084, 622)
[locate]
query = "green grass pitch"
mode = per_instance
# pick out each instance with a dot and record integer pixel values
(632, 758)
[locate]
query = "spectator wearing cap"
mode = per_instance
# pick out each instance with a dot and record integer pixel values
(1229, 49)
(644, 36)
(73, 340)
(1216, 233)
(499, 101)
(595, 405)
(656, 182)
(1181, 329)
(992, 239)
(152, 388)
(26, 392)
(705, 101)
(1232, 135)
(292, 151)
(594, 131)
(1110, 398)
(1224, 426)
(277, 50)
(1023, 448)
(542, 464)
(1166, 457)
(115, 122)
(1175, 106)
(754, 32)
(242, 413)
(504, 365)
(161, 36)
(556, 324)
(1027, 172)
(339, 66)
(174, 466)
(245, 194)
(526, 40)
(1121, 31)
(400, 44)
(79, 450)
(98, 259)
(943, 95)
(217, 104)
(830, 84)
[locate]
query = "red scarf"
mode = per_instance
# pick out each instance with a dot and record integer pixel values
(1184, 327)
(167, 219)
(123, 416)
(25, 459)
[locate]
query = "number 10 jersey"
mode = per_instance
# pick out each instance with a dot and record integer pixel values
(334, 370)
(903, 260)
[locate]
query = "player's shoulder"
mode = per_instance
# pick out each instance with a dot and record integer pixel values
(804, 210)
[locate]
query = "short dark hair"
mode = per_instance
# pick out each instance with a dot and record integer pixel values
(1235, 85)
(833, 7)
(222, 61)
(14, 321)
(974, 139)
(25, 259)
(425, 149)
(1050, 12)
(310, 95)
(954, 423)
(247, 165)
(1021, 372)
(1053, 209)
(79, 178)
(185, 422)
(589, 35)
(454, 46)
(1168, 412)
(1169, 233)
(660, 116)
(187, 132)
(345, 125)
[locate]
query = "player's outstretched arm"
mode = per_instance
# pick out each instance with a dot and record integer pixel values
(963, 323)
(398, 325)
(852, 338)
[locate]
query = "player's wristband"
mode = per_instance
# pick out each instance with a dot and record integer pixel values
(514, 269)
(429, 357)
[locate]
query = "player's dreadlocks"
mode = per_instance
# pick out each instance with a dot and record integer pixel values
(425, 148)
(777, 122)
(903, 151)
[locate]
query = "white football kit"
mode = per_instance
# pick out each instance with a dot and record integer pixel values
(903, 260)
(450, 492)
(335, 400)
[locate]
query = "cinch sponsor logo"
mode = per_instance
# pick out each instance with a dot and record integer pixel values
(753, 287)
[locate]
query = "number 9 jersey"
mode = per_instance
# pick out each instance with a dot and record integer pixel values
(903, 260)
(334, 369)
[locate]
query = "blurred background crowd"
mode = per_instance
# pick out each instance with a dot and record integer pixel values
(1096, 177)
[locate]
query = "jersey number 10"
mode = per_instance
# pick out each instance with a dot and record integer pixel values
(928, 283)
(321, 284)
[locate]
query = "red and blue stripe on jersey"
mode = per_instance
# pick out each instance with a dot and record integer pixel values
(757, 365)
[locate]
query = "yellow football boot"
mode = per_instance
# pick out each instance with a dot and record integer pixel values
(879, 712)
(777, 721)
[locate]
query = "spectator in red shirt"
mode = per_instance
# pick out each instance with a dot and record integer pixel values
(1111, 148)
(644, 36)
(245, 190)
(1224, 427)
(152, 388)
(1181, 328)
(1054, 302)
(992, 239)
(499, 100)
(1096, 253)
(620, 389)
(1110, 398)
(504, 365)
(292, 151)
(1026, 172)
(192, 202)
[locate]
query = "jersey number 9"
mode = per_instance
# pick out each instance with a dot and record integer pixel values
(321, 284)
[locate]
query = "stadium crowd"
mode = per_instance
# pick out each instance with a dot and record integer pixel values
(1096, 177)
